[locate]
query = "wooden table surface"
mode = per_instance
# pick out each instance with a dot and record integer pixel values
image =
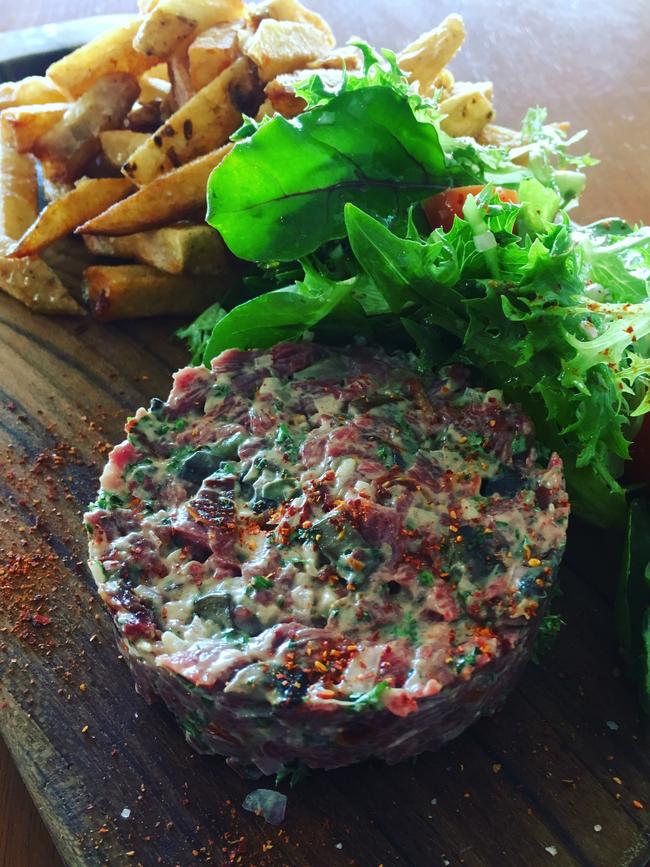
(587, 60)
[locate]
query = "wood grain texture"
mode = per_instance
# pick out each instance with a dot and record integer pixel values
(540, 774)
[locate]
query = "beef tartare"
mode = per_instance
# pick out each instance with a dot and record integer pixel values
(322, 555)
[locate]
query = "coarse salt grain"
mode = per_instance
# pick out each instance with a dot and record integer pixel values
(552, 850)
(598, 828)
(125, 813)
(611, 725)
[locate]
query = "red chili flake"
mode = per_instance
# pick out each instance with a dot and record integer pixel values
(40, 619)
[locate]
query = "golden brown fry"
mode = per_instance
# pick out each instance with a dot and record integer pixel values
(212, 52)
(202, 124)
(288, 10)
(90, 197)
(31, 281)
(180, 249)
(281, 95)
(424, 59)
(119, 144)
(179, 74)
(69, 145)
(111, 52)
(165, 200)
(33, 90)
(468, 110)
(284, 46)
(444, 81)
(170, 23)
(152, 88)
(132, 291)
(37, 286)
(68, 258)
(499, 136)
(18, 192)
(348, 57)
(24, 124)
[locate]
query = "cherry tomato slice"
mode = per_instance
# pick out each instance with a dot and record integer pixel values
(442, 208)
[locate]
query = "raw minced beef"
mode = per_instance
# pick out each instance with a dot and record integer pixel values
(323, 555)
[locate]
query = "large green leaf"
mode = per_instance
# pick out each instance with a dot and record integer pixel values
(280, 194)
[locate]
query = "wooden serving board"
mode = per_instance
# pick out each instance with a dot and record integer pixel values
(552, 779)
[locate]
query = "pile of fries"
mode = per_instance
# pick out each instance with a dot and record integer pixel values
(104, 161)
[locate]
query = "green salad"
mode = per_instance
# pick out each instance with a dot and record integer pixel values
(353, 228)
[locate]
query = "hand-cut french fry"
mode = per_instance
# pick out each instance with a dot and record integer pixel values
(131, 291)
(499, 136)
(31, 281)
(111, 52)
(157, 71)
(119, 144)
(24, 124)
(68, 258)
(172, 197)
(202, 124)
(444, 81)
(18, 192)
(468, 109)
(424, 59)
(152, 88)
(172, 22)
(212, 52)
(146, 117)
(348, 57)
(90, 197)
(69, 145)
(179, 74)
(33, 90)
(281, 95)
(288, 10)
(180, 249)
(36, 285)
(284, 46)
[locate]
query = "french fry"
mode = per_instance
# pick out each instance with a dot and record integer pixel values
(181, 249)
(348, 57)
(202, 124)
(31, 281)
(444, 81)
(169, 198)
(90, 197)
(24, 124)
(288, 10)
(424, 59)
(111, 52)
(37, 286)
(18, 193)
(468, 110)
(284, 46)
(157, 71)
(172, 22)
(212, 52)
(68, 258)
(133, 291)
(33, 90)
(499, 136)
(69, 145)
(182, 89)
(281, 95)
(119, 144)
(146, 117)
(152, 88)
